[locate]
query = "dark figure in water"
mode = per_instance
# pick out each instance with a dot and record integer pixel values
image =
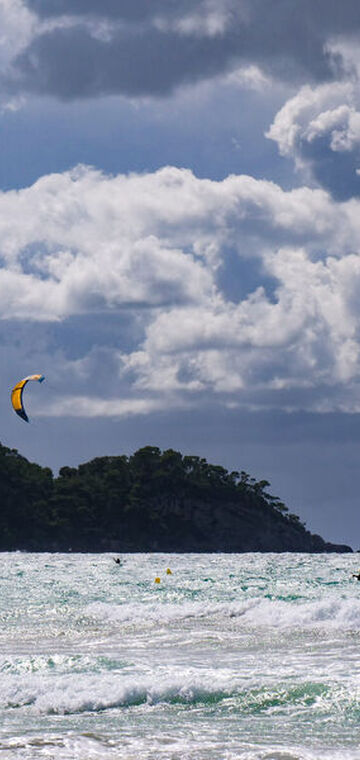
(356, 575)
(117, 560)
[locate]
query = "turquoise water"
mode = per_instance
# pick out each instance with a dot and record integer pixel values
(253, 656)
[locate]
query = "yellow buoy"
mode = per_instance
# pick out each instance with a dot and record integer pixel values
(157, 580)
(168, 571)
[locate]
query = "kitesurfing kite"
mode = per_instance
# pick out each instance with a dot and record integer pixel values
(17, 394)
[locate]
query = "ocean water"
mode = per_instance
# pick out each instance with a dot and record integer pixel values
(253, 656)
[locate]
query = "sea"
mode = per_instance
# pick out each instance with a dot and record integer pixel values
(179, 657)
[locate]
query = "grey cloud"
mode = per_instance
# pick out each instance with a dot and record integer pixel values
(70, 63)
(284, 15)
(332, 170)
(126, 10)
(139, 57)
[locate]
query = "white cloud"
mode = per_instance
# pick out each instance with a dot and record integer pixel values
(154, 244)
(308, 334)
(343, 125)
(82, 241)
(319, 128)
(89, 406)
(291, 123)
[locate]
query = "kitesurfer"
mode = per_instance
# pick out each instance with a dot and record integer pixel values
(117, 560)
(356, 575)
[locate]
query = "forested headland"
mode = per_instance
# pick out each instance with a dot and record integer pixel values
(151, 501)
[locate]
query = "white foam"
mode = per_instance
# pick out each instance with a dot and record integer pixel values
(327, 612)
(100, 663)
(95, 693)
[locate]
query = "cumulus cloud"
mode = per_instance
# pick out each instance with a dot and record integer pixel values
(86, 49)
(153, 247)
(308, 334)
(91, 242)
(320, 129)
(82, 241)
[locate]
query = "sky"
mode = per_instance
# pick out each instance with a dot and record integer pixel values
(180, 238)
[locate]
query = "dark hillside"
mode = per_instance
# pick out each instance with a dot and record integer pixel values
(151, 501)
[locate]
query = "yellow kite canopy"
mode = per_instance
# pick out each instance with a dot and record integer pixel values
(17, 394)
